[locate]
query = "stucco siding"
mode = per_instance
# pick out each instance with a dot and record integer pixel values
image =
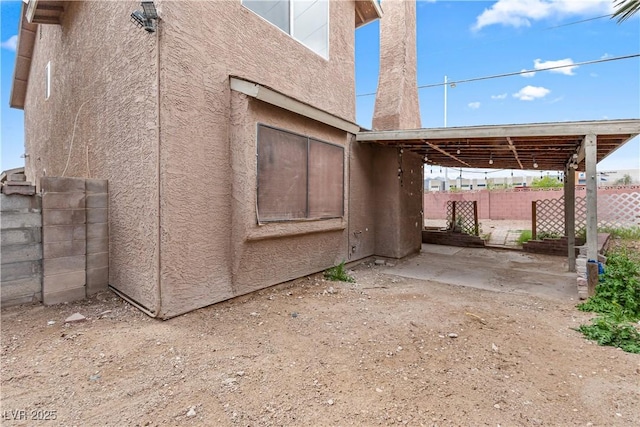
(103, 80)
(151, 113)
(272, 253)
(201, 46)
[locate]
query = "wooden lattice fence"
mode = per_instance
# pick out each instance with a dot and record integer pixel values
(463, 215)
(614, 211)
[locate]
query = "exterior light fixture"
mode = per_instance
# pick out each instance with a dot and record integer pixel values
(458, 150)
(491, 158)
(147, 17)
(535, 164)
(149, 9)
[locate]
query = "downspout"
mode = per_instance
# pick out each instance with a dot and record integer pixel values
(158, 175)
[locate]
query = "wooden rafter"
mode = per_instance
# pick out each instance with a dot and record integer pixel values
(515, 152)
(440, 150)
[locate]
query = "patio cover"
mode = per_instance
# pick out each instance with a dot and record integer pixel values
(551, 145)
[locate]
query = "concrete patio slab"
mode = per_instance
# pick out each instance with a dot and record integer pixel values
(491, 269)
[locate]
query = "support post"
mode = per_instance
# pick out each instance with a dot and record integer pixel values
(570, 215)
(453, 215)
(476, 227)
(591, 149)
(534, 226)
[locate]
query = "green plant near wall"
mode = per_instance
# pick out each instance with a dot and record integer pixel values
(525, 236)
(338, 273)
(617, 301)
(624, 233)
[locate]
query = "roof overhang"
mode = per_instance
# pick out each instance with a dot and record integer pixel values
(270, 96)
(24, 53)
(33, 12)
(45, 11)
(551, 145)
(367, 11)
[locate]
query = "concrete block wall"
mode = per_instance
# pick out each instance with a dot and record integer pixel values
(21, 249)
(514, 204)
(75, 238)
(97, 207)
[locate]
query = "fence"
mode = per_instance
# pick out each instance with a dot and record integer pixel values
(614, 211)
(55, 247)
(512, 204)
(463, 215)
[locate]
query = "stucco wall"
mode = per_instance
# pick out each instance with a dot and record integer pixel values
(398, 202)
(104, 81)
(180, 207)
(201, 46)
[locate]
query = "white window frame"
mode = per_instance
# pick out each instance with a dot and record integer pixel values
(292, 24)
(47, 81)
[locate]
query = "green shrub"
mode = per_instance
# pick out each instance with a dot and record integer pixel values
(617, 300)
(619, 288)
(605, 330)
(338, 274)
(525, 236)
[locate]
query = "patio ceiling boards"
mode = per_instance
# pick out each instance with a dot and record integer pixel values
(551, 145)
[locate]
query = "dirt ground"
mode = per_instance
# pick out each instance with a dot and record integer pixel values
(386, 350)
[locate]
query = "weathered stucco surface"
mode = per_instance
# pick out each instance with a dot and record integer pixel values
(154, 114)
(397, 105)
(399, 176)
(203, 191)
(103, 77)
(272, 253)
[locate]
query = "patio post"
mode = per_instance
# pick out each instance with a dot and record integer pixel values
(591, 149)
(570, 215)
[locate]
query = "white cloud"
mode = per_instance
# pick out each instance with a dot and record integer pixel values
(531, 74)
(529, 93)
(566, 70)
(501, 96)
(474, 105)
(605, 56)
(10, 44)
(520, 13)
(558, 99)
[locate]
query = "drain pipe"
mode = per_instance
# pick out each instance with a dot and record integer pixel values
(158, 174)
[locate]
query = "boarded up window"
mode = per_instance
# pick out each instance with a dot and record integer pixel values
(298, 177)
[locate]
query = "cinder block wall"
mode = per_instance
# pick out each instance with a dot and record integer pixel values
(75, 238)
(505, 204)
(21, 254)
(97, 207)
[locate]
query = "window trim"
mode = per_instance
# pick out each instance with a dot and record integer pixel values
(307, 218)
(291, 26)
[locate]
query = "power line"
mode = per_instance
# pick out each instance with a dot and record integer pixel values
(578, 22)
(495, 76)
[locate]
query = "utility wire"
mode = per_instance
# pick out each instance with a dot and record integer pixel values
(495, 76)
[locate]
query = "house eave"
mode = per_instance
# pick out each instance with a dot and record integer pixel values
(367, 11)
(45, 11)
(24, 54)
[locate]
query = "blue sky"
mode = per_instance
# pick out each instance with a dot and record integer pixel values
(469, 39)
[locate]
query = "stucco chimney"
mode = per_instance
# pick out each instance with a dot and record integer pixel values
(397, 104)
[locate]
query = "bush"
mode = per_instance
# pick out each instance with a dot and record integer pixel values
(617, 300)
(525, 236)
